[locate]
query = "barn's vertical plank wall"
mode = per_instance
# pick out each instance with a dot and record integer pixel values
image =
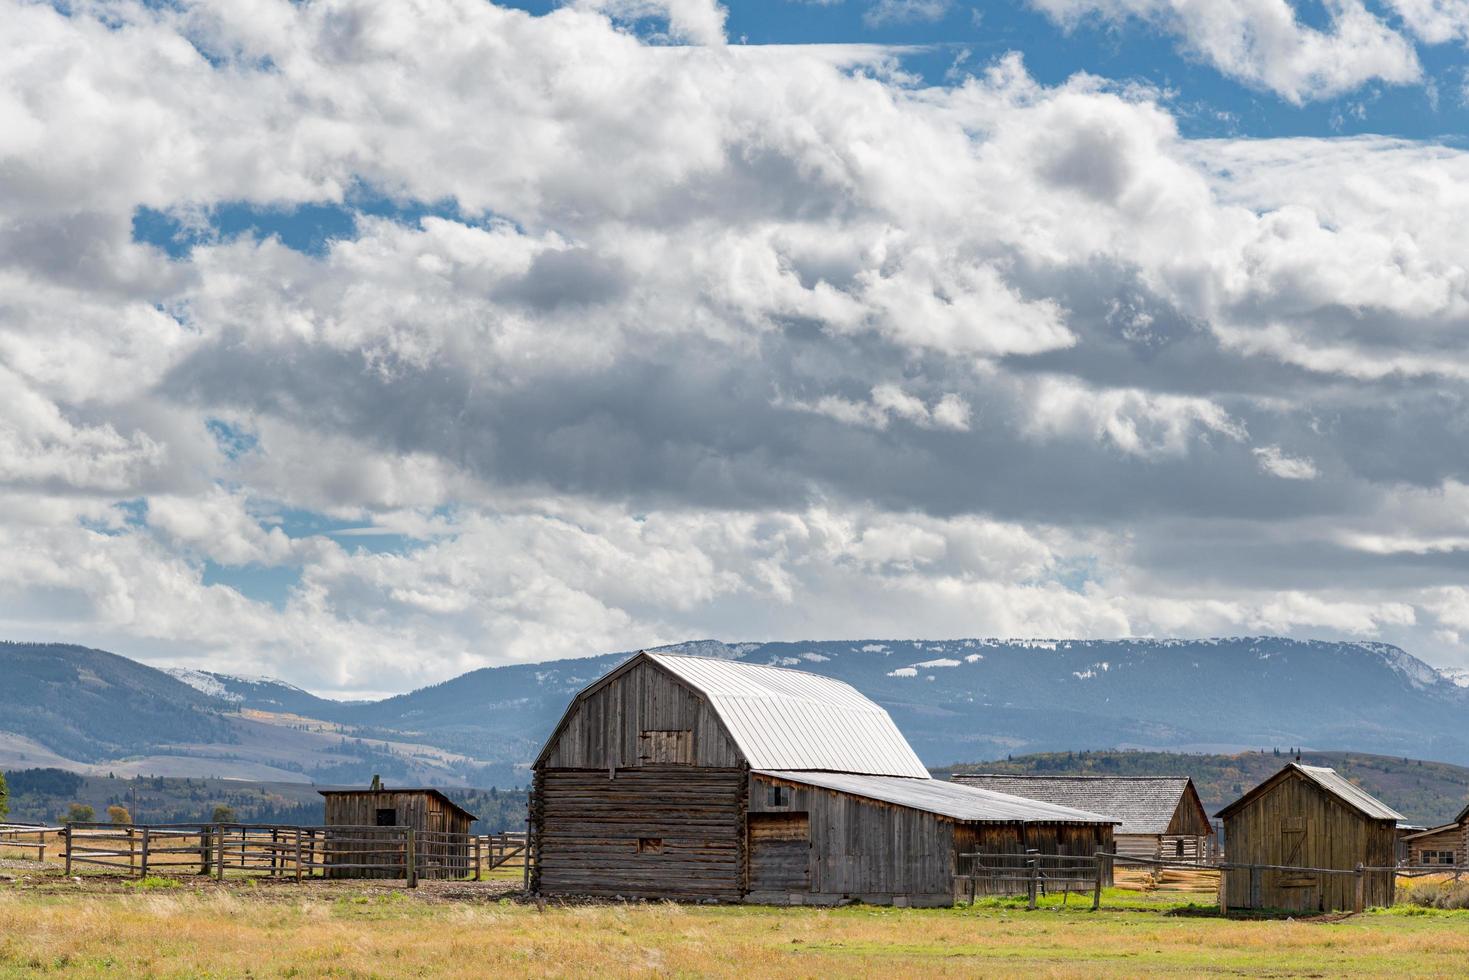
(1297, 823)
(614, 817)
(425, 812)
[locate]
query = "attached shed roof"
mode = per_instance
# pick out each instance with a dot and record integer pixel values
(399, 789)
(790, 719)
(1143, 804)
(963, 803)
(1331, 781)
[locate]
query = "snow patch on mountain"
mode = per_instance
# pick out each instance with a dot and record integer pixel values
(207, 684)
(941, 662)
(1457, 676)
(904, 672)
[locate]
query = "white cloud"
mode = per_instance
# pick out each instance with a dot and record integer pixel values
(1435, 21)
(1275, 462)
(1138, 423)
(1261, 42)
(881, 12)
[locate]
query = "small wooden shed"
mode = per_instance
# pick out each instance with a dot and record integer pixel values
(1308, 817)
(698, 778)
(1443, 846)
(440, 827)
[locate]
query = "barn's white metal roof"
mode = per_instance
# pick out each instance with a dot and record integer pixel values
(789, 719)
(1333, 782)
(964, 803)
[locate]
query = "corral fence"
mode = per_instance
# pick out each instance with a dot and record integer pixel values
(286, 852)
(1034, 875)
(30, 838)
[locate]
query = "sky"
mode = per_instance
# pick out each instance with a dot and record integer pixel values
(365, 344)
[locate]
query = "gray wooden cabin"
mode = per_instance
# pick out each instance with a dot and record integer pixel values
(1162, 817)
(1308, 817)
(703, 779)
(1443, 846)
(441, 831)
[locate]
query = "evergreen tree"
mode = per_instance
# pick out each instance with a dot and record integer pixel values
(4, 796)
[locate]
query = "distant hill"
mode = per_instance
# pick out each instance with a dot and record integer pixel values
(955, 699)
(1427, 793)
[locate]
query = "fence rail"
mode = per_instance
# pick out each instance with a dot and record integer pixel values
(29, 837)
(281, 851)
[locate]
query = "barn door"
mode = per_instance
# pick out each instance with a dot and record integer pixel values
(1296, 890)
(780, 852)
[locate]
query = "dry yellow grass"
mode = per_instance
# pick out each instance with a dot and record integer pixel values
(198, 929)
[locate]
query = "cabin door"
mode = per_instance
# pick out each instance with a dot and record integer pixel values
(1295, 890)
(780, 852)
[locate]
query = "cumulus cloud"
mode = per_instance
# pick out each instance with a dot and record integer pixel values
(629, 340)
(1263, 43)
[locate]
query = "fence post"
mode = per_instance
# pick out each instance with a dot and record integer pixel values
(145, 854)
(1223, 890)
(1097, 885)
(477, 858)
(1360, 902)
(206, 843)
(66, 839)
(1035, 868)
(410, 859)
(132, 852)
(219, 852)
(298, 855)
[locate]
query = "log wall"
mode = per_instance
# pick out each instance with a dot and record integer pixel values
(651, 832)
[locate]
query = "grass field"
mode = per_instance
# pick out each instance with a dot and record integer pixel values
(190, 928)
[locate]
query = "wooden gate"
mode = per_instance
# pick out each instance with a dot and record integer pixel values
(780, 852)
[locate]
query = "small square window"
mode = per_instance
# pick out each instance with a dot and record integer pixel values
(778, 796)
(650, 845)
(387, 817)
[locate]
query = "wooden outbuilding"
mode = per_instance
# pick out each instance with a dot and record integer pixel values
(1161, 817)
(1308, 817)
(440, 828)
(1443, 846)
(697, 778)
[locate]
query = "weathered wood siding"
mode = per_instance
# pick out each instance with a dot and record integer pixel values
(1299, 824)
(1016, 838)
(607, 729)
(860, 848)
(651, 832)
(1190, 819)
(424, 812)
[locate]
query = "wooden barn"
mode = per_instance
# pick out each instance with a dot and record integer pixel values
(1446, 845)
(704, 779)
(1308, 817)
(1162, 817)
(440, 827)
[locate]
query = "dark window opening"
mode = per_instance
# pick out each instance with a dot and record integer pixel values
(778, 796)
(1178, 848)
(387, 817)
(650, 845)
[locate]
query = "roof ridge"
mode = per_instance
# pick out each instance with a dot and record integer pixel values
(746, 663)
(1039, 775)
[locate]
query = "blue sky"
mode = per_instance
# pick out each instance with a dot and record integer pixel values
(363, 349)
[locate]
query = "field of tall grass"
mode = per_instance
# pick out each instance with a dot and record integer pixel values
(190, 928)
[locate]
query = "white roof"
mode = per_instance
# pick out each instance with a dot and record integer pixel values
(964, 803)
(1333, 782)
(791, 720)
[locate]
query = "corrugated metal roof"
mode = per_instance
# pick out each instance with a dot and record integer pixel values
(1144, 804)
(789, 719)
(1333, 782)
(963, 803)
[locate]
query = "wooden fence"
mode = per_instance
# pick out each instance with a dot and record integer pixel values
(27, 837)
(284, 852)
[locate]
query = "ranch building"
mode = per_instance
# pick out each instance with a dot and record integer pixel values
(441, 843)
(1308, 817)
(697, 778)
(1447, 845)
(1162, 817)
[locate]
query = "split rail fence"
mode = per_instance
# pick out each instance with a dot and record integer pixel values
(29, 837)
(1034, 874)
(284, 852)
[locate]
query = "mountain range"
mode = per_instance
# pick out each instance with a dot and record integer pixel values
(94, 712)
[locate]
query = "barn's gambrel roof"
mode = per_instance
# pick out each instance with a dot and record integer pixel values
(1142, 804)
(786, 719)
(967, 804)
(1332, 782)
